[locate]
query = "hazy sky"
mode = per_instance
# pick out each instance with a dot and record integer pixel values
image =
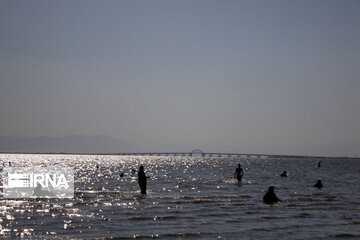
(245, 76)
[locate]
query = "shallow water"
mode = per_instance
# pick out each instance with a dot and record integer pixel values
(190, 197)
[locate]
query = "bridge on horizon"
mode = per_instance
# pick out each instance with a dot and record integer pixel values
(200, 153)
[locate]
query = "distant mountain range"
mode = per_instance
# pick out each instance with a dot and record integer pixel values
(68, 144)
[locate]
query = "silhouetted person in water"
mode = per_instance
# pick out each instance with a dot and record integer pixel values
(142, 180)
(238, 173)
(318, 184)
(319, 164)
(38, 192)
(270, 196)
(284, 174)
(133, 171)
(121, 175)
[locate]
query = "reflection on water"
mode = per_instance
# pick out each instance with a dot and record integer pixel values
(189, 198)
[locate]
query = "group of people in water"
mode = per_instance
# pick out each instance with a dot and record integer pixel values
(269, 197)
(318, 184)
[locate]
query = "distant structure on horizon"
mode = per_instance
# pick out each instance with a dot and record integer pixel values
(199, 153)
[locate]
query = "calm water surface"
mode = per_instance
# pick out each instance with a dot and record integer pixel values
(190, 197)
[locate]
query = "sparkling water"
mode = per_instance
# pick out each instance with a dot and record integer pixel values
(190, 197)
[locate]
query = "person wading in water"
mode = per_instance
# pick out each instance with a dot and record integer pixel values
(238, 173)
(270, 196)
(142, 180)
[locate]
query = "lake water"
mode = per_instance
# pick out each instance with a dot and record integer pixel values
(190, 197)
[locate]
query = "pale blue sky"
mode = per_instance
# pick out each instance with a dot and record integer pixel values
(245, 76)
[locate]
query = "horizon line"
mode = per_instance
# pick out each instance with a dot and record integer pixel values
(189, 154)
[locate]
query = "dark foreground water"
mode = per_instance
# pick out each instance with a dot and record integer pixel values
(189, 198)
